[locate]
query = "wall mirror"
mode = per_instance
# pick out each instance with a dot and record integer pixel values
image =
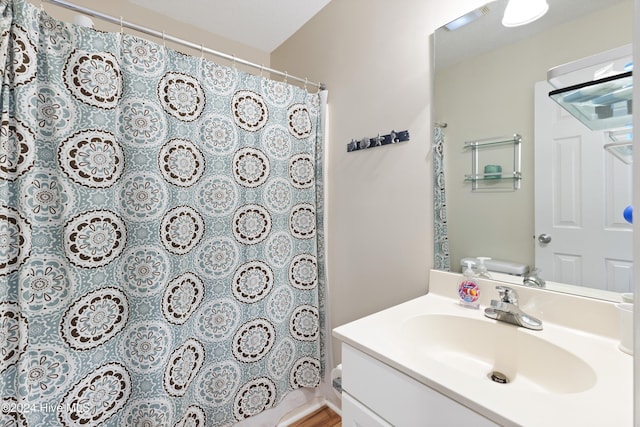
(485, 86)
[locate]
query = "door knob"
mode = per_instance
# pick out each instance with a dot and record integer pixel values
(544, 238)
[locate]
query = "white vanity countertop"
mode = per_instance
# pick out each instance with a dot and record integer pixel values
(568, 323)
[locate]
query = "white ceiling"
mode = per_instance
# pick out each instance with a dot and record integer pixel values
(487, 33)
(261, 24)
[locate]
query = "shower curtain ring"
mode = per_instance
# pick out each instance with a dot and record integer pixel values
(306, 80)
(234, 61)
(164, 42)
(261, 69)
(201, 51)
(121, 26)
(286, 76)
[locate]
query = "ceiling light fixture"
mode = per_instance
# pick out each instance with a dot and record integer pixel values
(522, 12)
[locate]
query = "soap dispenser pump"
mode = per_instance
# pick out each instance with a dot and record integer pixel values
(482, 271)
(468, 290)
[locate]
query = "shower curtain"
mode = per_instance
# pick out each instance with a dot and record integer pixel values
(441, 239)
(161, 257)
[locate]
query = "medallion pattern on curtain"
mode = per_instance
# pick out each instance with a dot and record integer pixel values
(441, 236)
(160, 225)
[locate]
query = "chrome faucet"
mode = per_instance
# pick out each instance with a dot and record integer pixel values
(507, 310)
(533, 279)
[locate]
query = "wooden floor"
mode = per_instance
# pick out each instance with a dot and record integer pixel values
(323, 417)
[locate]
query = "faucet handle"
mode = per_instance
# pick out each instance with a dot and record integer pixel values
(507, 294)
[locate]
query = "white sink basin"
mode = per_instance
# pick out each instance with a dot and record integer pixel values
(480, 346)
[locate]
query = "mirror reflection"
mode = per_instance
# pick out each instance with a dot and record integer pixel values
(491, 81)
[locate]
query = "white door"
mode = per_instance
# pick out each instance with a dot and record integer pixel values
(581, 191)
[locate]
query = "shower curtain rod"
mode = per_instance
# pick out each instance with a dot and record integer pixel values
(163, 36)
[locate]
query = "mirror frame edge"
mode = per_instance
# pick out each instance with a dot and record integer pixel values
(636, 202)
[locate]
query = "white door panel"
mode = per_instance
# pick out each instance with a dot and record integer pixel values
(580, 194)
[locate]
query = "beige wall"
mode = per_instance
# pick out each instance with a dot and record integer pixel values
(147, 18)
(492, 95)
(374, 56)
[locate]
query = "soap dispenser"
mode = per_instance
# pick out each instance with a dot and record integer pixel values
(468, 289)
(482, 271)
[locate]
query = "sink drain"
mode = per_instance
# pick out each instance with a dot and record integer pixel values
(498, 377)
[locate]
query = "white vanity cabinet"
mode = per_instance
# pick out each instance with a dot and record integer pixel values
(377, 395)
(355, 414)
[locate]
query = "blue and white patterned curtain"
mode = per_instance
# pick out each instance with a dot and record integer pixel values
(441, 236)
(160, 232)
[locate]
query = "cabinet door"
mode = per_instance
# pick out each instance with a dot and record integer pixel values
(399, 399)
(355, 414)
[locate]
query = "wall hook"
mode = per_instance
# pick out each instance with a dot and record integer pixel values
(392, 138)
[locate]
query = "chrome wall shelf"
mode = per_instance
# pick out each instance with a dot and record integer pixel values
(622, 145)
(481, 180)
(600, 104)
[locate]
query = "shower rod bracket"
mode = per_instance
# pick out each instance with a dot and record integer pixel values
(392, 138)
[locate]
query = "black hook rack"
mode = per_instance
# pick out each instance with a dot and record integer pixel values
(380, 140)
